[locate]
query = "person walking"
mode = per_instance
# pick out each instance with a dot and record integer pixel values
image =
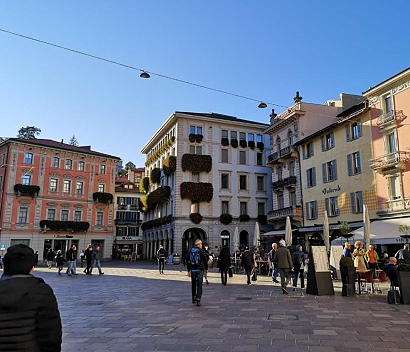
(88, 258)
(271, 255)
(35, 259)
(161, 256)
(248, 263)
(59, 261)
(82, 256)
(283, 261)
(96, 256)
(224, 262)
(403, 255)
(299, 261)
(197, 265)
(72, 260)
(29, 315)
(49, 258)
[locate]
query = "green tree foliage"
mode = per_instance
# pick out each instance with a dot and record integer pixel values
(73, 141)
(29, 132)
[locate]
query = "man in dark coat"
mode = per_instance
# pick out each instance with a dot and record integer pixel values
(248, 263)
(224, 261)
(88, 258)
(29, 316)
(197, 265)
(283, 261)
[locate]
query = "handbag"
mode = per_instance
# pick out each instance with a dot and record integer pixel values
(254, 276)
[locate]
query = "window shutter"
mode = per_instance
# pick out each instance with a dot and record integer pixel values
(336, 206)
(334, 165)
(313, 176)
(309, 184)
(347, 133)
(327, 205)
(332, 138)
(128, 201)
(307, 211)
(359, 128)
(314, 205)
(359, 167)
(360, 201)
(352, 203)
(324, 175)
(322, 140)
(349, 164)
(118, 200)
(304, 151)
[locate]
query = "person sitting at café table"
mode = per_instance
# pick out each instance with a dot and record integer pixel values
(358, 255)
(391, 272)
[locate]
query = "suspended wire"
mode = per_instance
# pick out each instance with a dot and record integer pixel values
(136, 68)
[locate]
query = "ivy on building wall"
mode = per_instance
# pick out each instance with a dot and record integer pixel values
(196, 163)
(197, 191)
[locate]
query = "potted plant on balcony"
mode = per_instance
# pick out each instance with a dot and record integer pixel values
(348, 274)
(251, 144)
(244, 218)
(225, 142)
(260, 145)
(403, 274)
(234, 143)
(225, 219)
(196, 218)
(262, 219)
(243, 143)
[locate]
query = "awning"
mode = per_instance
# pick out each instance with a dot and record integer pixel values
(383, 231)
(319, 228)
(273, 234)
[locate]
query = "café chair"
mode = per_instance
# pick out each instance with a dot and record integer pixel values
(380, 279)
(368, 279)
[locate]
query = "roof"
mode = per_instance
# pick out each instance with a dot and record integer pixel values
(59, 145)
(386, 80)
(217, 116)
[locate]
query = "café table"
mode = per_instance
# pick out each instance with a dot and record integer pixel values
(260, 263)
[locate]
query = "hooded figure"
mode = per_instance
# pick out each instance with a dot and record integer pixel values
(29, 315)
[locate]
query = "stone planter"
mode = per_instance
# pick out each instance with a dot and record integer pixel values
(348, 275)
(404, 284)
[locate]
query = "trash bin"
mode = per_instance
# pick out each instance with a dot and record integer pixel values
(176, 259)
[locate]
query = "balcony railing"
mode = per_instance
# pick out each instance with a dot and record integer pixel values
(294, 211)
(127, 207)
(395, 206)
(396, 159)
(278, 184)
(286, 182)
(273, 157)
(387, 117)
(127, 222)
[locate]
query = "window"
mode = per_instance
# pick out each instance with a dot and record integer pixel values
(290, 137)
(394, 187)
(388, 104)
(51, 214)
(260, 183)
(77, 215)
(281, 201)
(243, 208)
(80, 166)
(23, 215)
(79, 187)
(292, 197)
(195, 177)
(100, 218)
(353, 164)
(195, 207)
(224, 156)
(258, 138)
(329, 171)
(259, 159)
(311, 177)
(26, 179)
(390, 142)
(102, 169)
(328, 141)
(195, 130)
(311, 210)
(242, 136)
(224, 133)
(353, 131)
(53, 184)
(225, 207)
(292, 168)
(55, 162)
(332, 206)
(242, 182)
(225, 181)
(308, 150)
(66, 186)
(28, 158)
(242, 157)
(121, 200)
(64, 215)
(234, 135)
(68, 164)
(195, 149)
(356, 202)
(251, 137)
(280, 172)
(101, 187)
(261, 208)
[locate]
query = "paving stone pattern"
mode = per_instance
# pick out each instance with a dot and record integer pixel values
(134, 308)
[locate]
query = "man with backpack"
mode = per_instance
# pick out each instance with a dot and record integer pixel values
(298, 259)
(197, 265)
(161, 255)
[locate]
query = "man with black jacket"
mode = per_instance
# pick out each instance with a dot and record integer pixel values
(248, 263)
(88, 253)
(161, 255)
(197, 265)
(29, 316)
(71, 256)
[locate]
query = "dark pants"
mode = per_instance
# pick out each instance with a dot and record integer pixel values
(224, 277)
(284, 277)
(248, 271)
(196, 284)
(299, 272)
(161, 265)
(88, 268)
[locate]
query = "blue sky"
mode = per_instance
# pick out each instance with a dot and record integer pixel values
(265, 50)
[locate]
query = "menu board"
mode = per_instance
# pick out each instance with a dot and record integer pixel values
(320, 259)
(335, 253)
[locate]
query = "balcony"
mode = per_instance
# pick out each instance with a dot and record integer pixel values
(290, 181)
(294, 212)
(127, 222)
(278, 185)
(273, 158)
(388, 118)
(392, 207)
(390, 161)
(128, 207)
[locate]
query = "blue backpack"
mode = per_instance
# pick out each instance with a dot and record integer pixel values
(194, 256)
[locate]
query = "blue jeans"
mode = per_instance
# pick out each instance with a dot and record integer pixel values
(96, 263)
(72, 267)
(196, 284)
(274, 273)
(298, 272)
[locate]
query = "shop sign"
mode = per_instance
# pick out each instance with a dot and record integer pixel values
(129, 237)
(225, 236)
(330, 190)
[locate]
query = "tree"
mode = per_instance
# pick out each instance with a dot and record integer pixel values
(129, 166)
(29, 132)
(73, 141)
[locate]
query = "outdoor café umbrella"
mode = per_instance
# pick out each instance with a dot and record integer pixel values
(256, 235)
(366, 227)
(326, 235)
(288, 232)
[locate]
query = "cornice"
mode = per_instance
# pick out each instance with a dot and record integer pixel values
(393, 88)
